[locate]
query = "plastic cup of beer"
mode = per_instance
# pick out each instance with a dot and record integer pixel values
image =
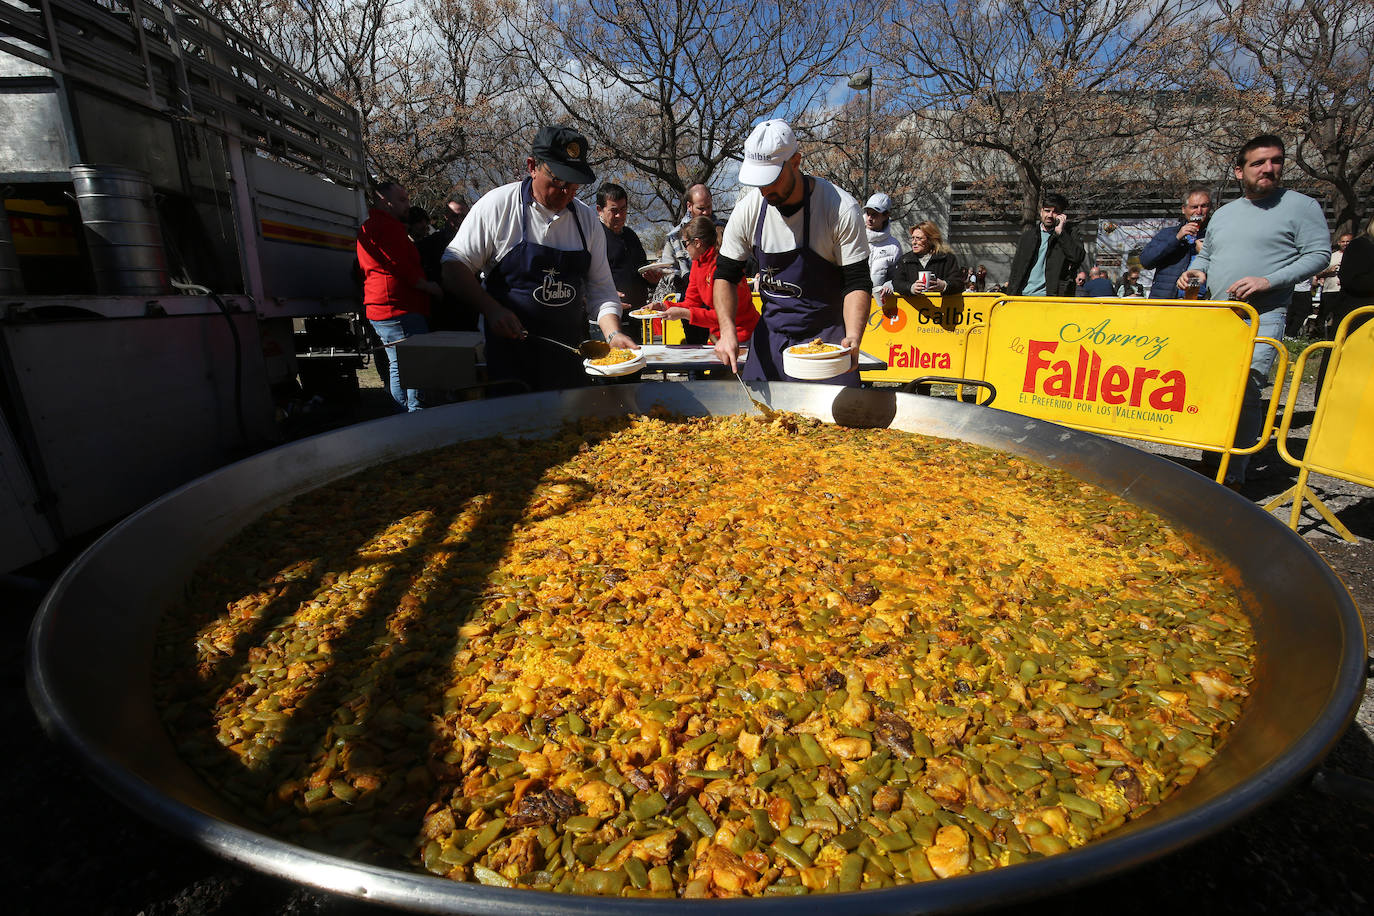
(1193, 289)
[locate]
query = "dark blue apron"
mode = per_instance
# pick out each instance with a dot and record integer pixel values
(546, 289)
(802, 295)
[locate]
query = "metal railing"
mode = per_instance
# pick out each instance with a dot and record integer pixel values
(173, 57)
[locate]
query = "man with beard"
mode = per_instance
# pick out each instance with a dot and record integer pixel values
(542, 253)
(1048, 253)
(1257, 248)
(812, 250)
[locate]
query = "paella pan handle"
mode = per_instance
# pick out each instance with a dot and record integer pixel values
(915, 386)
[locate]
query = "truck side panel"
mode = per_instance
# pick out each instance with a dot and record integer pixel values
(124, 409)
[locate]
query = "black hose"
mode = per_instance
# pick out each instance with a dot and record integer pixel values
(238, 363)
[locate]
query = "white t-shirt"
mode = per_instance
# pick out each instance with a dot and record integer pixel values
(838, 233)
(492, 229)
(1332, 284)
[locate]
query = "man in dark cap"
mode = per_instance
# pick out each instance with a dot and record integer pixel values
(543, 252)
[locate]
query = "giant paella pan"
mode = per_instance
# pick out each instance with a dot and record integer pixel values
(94, 675)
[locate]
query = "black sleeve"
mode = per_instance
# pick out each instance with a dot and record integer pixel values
(1357, 268)
(904, 273)
(729, 269)
(952, 274)
(1072, 247)
(855, 276)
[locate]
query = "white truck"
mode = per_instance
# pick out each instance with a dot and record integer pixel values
(178, 250)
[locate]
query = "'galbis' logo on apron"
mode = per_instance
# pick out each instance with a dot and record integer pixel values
(771, 284)
(553, 292)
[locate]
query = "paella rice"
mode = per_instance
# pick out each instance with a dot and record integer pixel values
(615, 357)
(703, 657)
(816, 347)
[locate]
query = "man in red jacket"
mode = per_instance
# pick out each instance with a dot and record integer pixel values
(395, 290)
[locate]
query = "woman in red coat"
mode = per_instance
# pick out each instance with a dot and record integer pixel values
(699, 237)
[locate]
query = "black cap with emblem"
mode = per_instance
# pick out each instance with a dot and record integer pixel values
(565, 150)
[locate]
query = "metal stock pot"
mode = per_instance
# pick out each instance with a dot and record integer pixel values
(91, 644)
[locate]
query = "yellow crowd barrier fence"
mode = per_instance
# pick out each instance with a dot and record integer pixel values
(1158, 370)
(1341, 440)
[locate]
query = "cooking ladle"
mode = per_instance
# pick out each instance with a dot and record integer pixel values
(768, 412)
(587, 349)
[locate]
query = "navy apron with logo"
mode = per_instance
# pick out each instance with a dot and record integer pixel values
(546, 289)
(802, 295)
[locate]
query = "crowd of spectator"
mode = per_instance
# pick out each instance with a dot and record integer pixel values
(1269, 248)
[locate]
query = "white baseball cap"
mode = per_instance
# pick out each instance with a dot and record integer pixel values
(766, 151)
(880, 202)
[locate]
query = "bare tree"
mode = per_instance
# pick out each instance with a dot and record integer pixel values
(1091, 97)
(1305, 70)
(436, 94)
(451, 113)
(904, 161)
(668, 91)
(354, 48)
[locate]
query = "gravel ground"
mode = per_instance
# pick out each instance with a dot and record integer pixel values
(78, 850)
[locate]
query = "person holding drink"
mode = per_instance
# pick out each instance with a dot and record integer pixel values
(930, 266)
(1173, 248)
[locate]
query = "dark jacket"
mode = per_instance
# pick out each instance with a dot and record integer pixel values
(1097, 288)
(447, 312)
(1062, 259)
(1167, 255)
(945, 266)
(625, 255)
(1357, 270)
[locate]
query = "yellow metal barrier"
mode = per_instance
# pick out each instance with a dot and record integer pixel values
(1341, 441)
(1167, 371)
(928, 335)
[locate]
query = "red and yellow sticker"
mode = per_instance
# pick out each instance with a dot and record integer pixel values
(293, 234)
(42, 230)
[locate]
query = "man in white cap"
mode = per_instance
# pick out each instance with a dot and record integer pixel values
(883, 248)
(812, 249)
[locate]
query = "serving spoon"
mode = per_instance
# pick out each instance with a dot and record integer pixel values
(587, 349)
(768, 412)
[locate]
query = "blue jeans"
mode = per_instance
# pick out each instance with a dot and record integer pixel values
(1271, 324)
(390, 330)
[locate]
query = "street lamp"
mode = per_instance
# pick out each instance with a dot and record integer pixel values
(863, 79)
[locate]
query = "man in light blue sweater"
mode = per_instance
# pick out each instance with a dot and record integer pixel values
(1256, 249)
